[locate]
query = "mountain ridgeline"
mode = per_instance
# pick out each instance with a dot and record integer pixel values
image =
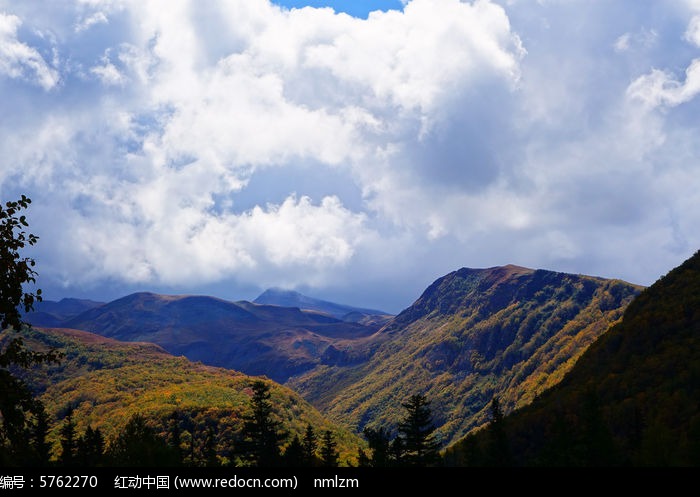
(474, 334)
(631, 399)
(254, 338)
(289, 298)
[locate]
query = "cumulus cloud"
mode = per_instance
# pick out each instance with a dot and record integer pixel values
(143, 243)
(21, 61)
(661, 88)
(108, 73)
(91, 20)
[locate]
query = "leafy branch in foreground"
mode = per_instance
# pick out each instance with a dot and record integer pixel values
(18, 408)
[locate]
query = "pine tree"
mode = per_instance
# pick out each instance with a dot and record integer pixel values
(42, 449)
(310, 444)
(379, 442)
(416, 430)
(396, 452)
(139, 445)
(329, 454)
(262, 436)
(69, 442)
(294, 454)
(91, 447)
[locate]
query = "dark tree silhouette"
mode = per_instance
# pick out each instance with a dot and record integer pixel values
(139, 445)
(363, 460)
(262, 436)
(294, 454)
(379, 442)
(69, 442)
(16, 401)
(42, 449)
(396, 452)
(498, 451)
(416, 430)
(310, 444)
(329, 453)
(91, 448)
(16, 270)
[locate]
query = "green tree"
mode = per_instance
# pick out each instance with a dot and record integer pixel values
(329, 453)
(91, 448)
(379, 442)
(16, 402)
(416, 430)
(261, 432)
(139, 445)
(69, 442)
(396, 452)
(310, 444)
(16, 270)
(294, 454)
(42, 449)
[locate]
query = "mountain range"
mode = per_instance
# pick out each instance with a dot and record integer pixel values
(521, 367)
(258, 339)
(508, 331)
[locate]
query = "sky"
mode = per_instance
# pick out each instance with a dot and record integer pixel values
(353, 151)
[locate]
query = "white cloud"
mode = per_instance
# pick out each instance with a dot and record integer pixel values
(108, 73)
(412, 142)
(91, 20)
(141, 242)
(623, 42)
(20, 61)
(661, 88)
(692, 34)
(643, 38)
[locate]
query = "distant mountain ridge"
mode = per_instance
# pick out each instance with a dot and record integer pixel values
(290, 298)
(258, 339)
(51, 314)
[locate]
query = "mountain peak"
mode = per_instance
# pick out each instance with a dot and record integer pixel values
(290, 298)
(498, 274)
(493, 287)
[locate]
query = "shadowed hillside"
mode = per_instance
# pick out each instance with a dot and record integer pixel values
(631, 399)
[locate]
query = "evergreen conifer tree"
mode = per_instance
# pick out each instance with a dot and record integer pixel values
(416, 431)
